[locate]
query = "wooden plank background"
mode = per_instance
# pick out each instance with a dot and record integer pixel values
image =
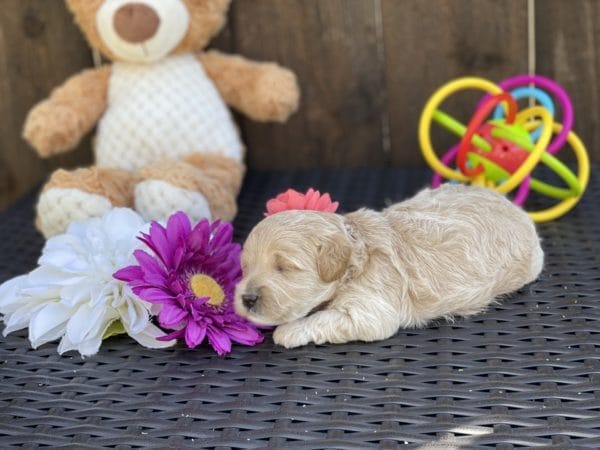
(39, 48)
(366, 67)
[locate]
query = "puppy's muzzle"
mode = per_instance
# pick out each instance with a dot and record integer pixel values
(249, 300)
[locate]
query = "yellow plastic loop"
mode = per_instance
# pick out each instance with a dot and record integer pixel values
(540, 147)
(583, 175)
(432, 105)
(487, 86)
(530, 118)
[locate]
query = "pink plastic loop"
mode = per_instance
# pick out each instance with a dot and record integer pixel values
(556, 90)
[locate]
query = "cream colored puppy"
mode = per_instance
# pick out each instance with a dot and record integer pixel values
(324, 277)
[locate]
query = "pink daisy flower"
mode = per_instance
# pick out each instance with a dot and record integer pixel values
(291, 199)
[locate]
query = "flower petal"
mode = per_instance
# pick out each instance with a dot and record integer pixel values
(129, 274)
(275, 206)
(135, 315)
(90, 346)
(147, 263)
(153, 295)
(52, 276)
(199, 237)
(178, 228)
(324, 202)
(171, 315)
(150, 337)
(219, 340)
(49, 323)
(65, 345)
(284, 197)
(194, 333)
(332, 208)
(243, 333)
(19, 319)
(10, 295)
(64, 252)
(223, 235)
(312, 198)
(77, 294)
(174, 335)
(89, 323)
(159, 243)
(295, 200)
(122, 223)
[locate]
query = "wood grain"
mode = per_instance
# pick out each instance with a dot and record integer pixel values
(366, 68)
(39, 47)
(428, 43)
(332, 46)
(568, 39)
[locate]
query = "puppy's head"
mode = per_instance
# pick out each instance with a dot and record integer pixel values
(292, 263)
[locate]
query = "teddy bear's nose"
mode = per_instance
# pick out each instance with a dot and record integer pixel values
(136, 22)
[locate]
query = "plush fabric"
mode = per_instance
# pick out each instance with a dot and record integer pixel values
(163, 109)
(166, 140)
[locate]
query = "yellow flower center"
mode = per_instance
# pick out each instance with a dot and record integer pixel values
(205, 286)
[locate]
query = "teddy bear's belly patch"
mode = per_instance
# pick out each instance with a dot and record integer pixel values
(165, 110)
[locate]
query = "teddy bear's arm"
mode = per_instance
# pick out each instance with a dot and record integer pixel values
(58, 123)
(262, 91)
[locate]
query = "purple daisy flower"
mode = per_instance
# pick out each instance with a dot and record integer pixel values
(192, 275)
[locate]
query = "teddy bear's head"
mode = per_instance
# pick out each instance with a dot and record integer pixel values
(145, 31)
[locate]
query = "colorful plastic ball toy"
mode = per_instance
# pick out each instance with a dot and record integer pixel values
(501, 145)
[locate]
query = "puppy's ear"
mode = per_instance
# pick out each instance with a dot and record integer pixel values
(334, 257)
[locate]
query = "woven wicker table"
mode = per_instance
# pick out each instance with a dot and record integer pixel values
(524, 374)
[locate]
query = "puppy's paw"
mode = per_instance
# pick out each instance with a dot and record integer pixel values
(291, 335)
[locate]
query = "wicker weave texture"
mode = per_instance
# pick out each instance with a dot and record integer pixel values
(524, 374)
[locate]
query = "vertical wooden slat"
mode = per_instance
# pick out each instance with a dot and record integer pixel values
(366, 67)
(568, 39)
(332, 46)
(428, 43)
(39, 47)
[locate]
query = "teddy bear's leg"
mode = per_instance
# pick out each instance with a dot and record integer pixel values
(80, 194)
(203, 186)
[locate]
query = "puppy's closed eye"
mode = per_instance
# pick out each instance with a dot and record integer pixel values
(284, 265)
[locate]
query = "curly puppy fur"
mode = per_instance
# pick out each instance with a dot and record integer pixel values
(323, 277)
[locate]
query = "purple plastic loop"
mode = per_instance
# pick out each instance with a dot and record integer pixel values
(523, 191)
(556, 90)
(555, 145)
(450, 156)
(447, 159)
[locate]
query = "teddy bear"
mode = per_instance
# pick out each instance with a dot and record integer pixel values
(165, 140)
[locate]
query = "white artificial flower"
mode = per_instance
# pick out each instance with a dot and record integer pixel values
(72, 294)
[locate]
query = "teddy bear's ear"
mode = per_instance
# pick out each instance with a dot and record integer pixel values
(218, 5)
(224, 4)
(207, 17)
(84, 12)
(81, 8)
(73, 4)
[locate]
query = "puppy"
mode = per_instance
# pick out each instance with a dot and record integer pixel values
(323, 277)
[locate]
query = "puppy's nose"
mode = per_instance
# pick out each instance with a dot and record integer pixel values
(249, 299)
(136, 22)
